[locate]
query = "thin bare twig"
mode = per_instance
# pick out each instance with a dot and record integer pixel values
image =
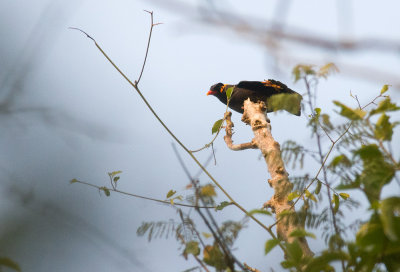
(148, 45)
(142, 197)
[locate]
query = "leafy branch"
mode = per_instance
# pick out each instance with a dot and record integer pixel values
(107, 191)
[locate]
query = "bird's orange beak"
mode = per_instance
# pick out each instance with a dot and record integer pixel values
(210, 92)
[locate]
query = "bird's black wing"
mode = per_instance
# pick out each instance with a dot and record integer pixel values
(255, 86)
(268, 87)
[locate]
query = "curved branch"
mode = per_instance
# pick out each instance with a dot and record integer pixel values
(229, 133)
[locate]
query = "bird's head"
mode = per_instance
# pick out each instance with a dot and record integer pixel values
(217, 89)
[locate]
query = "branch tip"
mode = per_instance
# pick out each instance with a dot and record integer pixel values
(87, 35)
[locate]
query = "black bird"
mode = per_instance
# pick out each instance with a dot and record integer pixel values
(276, 95)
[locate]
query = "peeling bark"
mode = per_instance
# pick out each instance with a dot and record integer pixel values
(255, 115)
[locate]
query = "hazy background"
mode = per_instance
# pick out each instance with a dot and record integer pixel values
(66, 113)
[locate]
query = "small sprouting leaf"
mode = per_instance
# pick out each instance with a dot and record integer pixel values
(73, 181)
(270, 244)
(171, 201)
(170, 193)
(206, 235)
(336, 201)
(327, 69)
(296, 73)
(222, 205)
(318, 189)
(352, 114)
(258, 211)
(301, 233)
(216, 126)
(293, 195)
(7, 262)
(344, 195)
(179, 197)
(317, 111)
(192, 247)
(112, 174)
(106, 191)
(208, 190)
(302, 70)
(326, 120)
(385, 88)
(115, 179)
(229, 92)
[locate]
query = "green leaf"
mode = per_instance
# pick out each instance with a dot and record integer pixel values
(301, 233)
(321, 263)
(222, 205)
(170, 193)
(229, 92)
(192, 247)
(295, 252)
(114, 173)
(270, 244)
(216, 126)
(293, 195)
(352, 114)
(73, 181)
(317, 111)
(344, 195)
(336, 201)
(383, 128)
(385, 88)
(206, 235)
(106, 191)
(371, 236)
(310, 195)
(376, 171)
(115, 179)
(212, 255)
(341, 160)
(288, 102)
(318, 189)
(385, 106)
(259, 211)
(390, 217)
(7, 262)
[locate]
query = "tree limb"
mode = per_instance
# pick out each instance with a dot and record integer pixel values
(255, 115)
(229, 133)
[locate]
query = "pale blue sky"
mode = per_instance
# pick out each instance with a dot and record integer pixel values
(75, 117)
